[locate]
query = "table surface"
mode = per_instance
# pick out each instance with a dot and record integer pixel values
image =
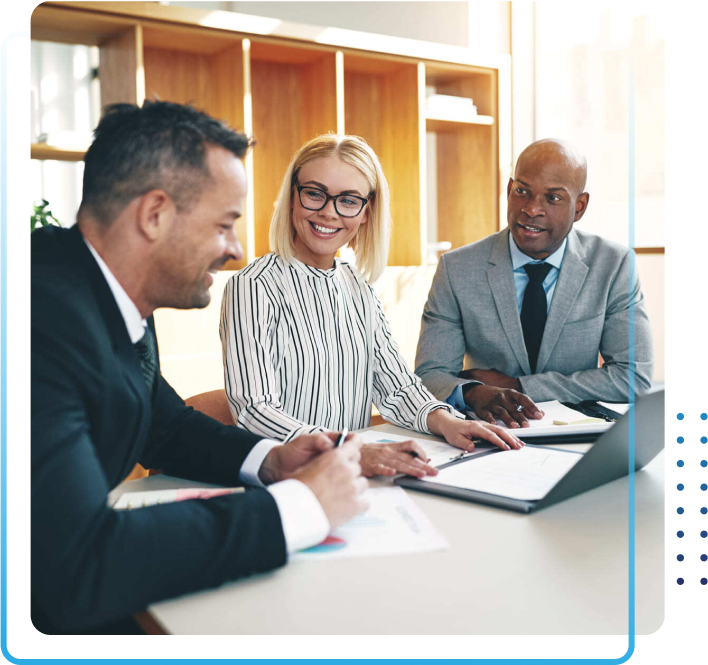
(562, 570)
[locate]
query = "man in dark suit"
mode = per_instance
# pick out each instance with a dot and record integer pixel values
(163, 187)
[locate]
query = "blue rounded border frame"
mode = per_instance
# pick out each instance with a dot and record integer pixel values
(3, 327)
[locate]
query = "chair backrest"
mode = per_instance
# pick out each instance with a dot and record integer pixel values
(214, 404)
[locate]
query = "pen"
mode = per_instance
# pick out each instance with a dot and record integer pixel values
(342, 436)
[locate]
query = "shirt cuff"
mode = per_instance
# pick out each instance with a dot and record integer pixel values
(248, 474)
(456, 398)
(303, 518)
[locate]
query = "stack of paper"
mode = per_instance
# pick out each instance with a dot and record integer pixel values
(559, 419)
(449, 107)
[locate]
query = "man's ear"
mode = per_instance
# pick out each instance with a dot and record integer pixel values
(155, 213)
(508, 187)
(581, 205)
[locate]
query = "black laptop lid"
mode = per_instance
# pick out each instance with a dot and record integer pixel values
(608, 459)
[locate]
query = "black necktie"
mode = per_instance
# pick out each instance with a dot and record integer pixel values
(533, 309)
(146, 348)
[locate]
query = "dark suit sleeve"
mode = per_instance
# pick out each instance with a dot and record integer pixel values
(186, 443)
(441, 346)
(90, 564)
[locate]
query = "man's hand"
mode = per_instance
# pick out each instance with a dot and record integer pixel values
(284, 461)
(491, 377)
(510, 406)
(335, 479)
(388, 459)
(460, 433)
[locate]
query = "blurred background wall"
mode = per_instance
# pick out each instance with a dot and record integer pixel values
(571, 66)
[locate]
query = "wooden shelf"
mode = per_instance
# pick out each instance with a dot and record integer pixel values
(285, 83)
(438, 124)
(44, 151)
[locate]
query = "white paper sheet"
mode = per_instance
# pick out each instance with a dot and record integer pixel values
(527, 474)
(554, 410)
(393, 524)
(439, 452)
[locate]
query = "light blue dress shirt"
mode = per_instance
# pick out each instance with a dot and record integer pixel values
(521, 280)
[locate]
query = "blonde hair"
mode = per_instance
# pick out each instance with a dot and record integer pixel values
(370, 244)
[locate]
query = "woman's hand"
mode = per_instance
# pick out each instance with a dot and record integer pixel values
(388, 459)
(460, 433)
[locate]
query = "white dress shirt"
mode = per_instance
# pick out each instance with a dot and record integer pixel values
(303, 519)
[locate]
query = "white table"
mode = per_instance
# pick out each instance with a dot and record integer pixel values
(563, 570)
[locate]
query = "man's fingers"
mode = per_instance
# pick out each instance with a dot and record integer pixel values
(381, 470)
(361, 484)
(530, 408)
(351, 451)
(503, 414)
(324, 441)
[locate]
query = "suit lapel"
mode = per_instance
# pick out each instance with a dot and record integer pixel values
(570, 280)
(122, 346)
(501, 282)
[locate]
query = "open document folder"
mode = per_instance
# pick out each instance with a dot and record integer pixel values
(532, 478)
(559, 420)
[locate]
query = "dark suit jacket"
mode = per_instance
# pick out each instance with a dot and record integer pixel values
(92, 420)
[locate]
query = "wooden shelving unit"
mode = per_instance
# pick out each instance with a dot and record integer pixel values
(275, 82)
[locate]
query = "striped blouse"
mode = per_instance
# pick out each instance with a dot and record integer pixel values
(307, 349)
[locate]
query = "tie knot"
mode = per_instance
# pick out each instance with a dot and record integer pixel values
(537, 272)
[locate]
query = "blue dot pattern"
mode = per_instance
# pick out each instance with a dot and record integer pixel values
(688, 461)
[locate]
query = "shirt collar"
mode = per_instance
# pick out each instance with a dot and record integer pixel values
(135, 323)
(519, 259)
(304, 269)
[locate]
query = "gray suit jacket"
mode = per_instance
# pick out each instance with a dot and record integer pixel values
(472, 309)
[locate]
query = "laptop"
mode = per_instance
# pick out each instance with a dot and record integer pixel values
(607, 460)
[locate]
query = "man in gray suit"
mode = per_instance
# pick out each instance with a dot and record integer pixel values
(534, 305)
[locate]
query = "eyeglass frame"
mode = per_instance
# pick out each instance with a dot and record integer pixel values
(329, 197)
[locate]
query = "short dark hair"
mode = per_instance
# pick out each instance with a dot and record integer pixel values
(161, 145)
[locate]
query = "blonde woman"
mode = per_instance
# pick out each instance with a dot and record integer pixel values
(306, 343)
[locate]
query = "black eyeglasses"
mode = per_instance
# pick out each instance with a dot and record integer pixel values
(346, 205)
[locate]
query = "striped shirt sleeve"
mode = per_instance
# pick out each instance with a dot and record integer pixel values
(247, 317)
(398, 394)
